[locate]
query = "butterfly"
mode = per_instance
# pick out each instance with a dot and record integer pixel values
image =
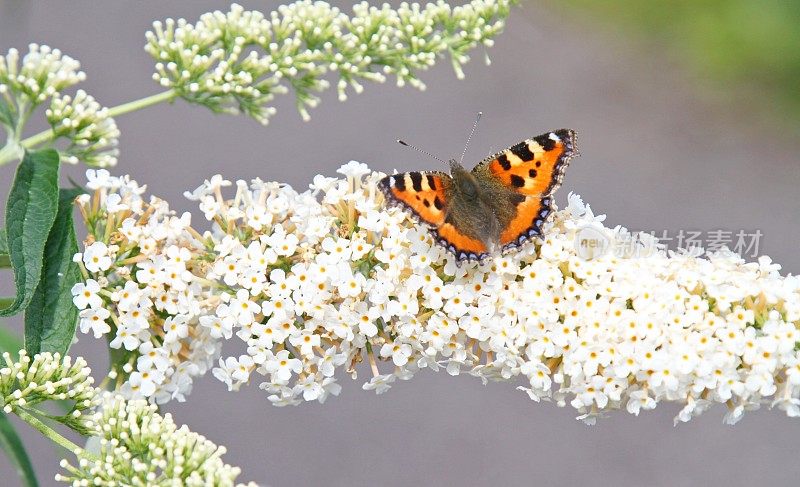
(501, 204)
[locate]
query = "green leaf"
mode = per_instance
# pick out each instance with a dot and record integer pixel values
(10, 342)
(5, 261)
(8, 116)
(51, 317)
(30, 212)
(15, 450)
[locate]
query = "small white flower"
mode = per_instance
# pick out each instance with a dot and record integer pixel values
(127, 338)
(310, 388)
(144, 382)
(152, 357)
(243, 368)
(281, 242)
(640, 400)
(94, 319)
(114, 203)
(538, 374)
(217, 326)
(85, 294)
(176, 328)
(399, 352)
(305, 342)
(225, 371)
(98, 179)
(354, 169)
(379, 383)
(329, 387)
(282, 366)
(350, 286)
(327, 363)
(96, 257)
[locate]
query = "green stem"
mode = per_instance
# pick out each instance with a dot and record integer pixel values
(10, 152)
(145, 102)
(37, 139)
(47, 431)
(13, 149)
(24, 111)
(13, 152)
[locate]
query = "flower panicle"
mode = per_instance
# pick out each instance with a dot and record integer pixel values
(132, 443)
(29, 381)
(84, 129)
(91, 133)
(237, 61)
(43, 73)
(316, 282)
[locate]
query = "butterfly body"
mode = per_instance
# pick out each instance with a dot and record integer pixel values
(502, 203)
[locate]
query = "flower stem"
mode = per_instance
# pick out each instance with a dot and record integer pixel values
(13, 152)
(47, 431)
(145, 102)
(37, 139)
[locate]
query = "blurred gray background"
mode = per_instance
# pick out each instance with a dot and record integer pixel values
(662, 149)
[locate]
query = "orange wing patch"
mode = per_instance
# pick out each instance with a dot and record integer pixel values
(465, 248)
(536, 166)
(424, 193)
(527, 223)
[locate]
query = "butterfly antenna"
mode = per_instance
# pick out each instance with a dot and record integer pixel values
(401, 142)
(474, 126)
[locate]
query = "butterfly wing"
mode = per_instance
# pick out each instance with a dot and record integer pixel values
(533, 169)
(427, 196)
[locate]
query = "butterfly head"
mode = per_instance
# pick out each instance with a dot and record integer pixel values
(464, 181)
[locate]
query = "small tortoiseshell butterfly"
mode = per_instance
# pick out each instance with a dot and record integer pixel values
(503, 202)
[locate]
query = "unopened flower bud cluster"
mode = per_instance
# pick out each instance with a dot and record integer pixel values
(137, 446)
(91, 134)
(88, 131)
(236, 61)
(43, 73)
(131, 443)
(26, 382)
(313, 283)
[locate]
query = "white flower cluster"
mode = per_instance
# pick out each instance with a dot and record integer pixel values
(141, 290)
(91, 132)
(43, 73)
(316, 282)
(237, 61)
(46, 377)
(137, 446)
